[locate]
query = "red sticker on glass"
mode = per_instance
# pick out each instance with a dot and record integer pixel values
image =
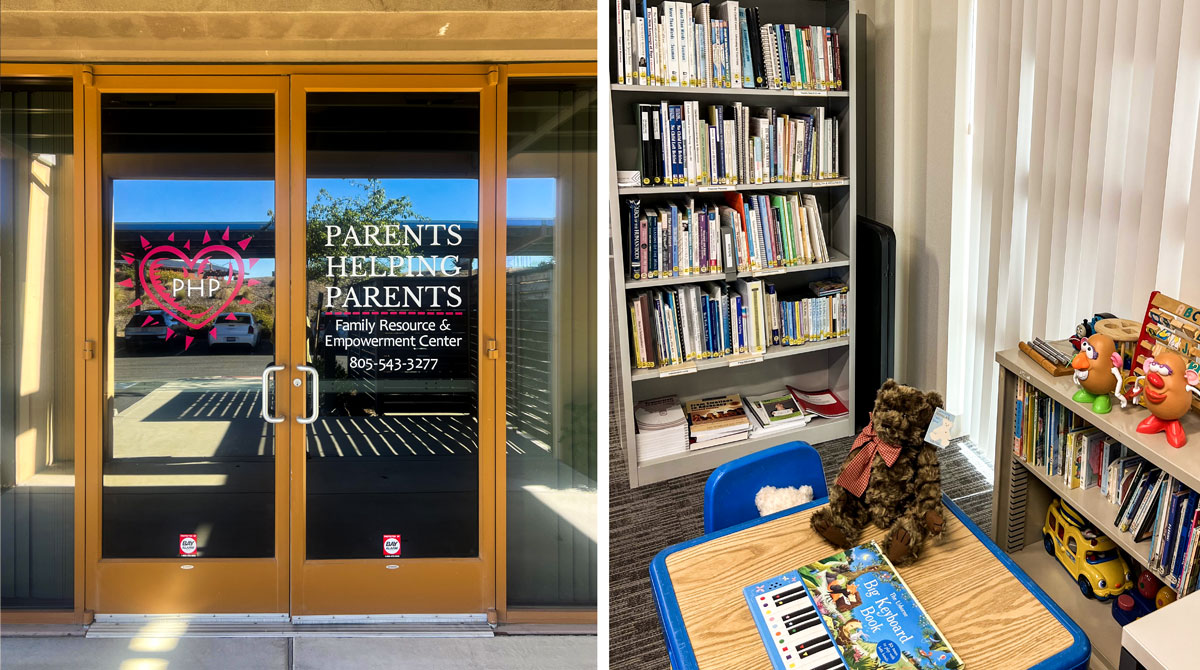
(391, 546)
(187, 545)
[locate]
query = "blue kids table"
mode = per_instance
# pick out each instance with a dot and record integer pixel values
(990, 611)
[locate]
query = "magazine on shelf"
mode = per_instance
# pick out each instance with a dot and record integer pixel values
(662, 428)
(777, 410)
(824, 403)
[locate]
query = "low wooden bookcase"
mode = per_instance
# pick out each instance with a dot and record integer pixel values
(1023, 493)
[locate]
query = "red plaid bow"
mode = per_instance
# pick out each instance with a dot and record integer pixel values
(857, 472)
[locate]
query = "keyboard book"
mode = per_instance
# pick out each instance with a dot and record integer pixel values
(851, 610)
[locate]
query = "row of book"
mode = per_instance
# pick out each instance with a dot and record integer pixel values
(1148, 503)
(665, 426)
(748, 233)
(735, 144)
(695, 322)
(721, 46)
(1154, 506)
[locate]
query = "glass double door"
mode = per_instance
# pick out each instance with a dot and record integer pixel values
(298, 313)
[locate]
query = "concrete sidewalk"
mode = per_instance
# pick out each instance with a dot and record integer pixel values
(522, 652)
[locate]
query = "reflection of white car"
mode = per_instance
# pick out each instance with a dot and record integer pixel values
(234, 328)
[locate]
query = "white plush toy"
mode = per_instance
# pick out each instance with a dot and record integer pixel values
(770, 500)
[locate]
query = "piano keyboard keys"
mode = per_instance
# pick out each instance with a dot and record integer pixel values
(797, 593)
(794, 624)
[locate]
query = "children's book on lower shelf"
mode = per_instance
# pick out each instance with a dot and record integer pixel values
(1149, 505)
(850, 610)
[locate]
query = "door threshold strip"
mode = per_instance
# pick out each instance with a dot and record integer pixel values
(179, 629)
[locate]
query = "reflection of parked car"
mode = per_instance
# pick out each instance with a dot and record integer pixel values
(234, 328)
(1091, 558)
(154, 330)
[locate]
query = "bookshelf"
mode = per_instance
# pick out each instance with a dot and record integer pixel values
(1022, 494)
(812, 366)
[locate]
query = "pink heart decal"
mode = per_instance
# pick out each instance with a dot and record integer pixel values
(161, 295)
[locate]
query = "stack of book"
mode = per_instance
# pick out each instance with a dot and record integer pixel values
(722, 45)
(735, 144)
(696, 322)
(662, 429)
(716, 421)
(1149, 504)
(745, 234)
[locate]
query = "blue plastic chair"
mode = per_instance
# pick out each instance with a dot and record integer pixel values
(729, 493)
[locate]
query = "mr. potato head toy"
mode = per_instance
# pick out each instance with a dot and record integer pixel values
(1167, 389)
(1098, 372)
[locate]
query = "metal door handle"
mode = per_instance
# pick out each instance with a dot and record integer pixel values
(316, 394)
(266, 413)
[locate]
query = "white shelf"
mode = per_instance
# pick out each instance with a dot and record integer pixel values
(1094, 617)
(1121, 424)
(1162, 641)
(1095, 508)
(736, 361)
(836, 260)
(691, 92)
(776, 186)
(690, 462)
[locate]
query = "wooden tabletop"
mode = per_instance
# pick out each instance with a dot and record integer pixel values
(987, 615)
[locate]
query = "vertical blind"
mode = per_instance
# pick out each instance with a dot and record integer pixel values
(1080, 162)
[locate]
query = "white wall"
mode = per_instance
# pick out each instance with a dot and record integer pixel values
(908, 72)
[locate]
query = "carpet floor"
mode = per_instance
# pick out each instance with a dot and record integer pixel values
(648, 519)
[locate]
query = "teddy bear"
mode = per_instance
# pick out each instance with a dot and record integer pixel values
(890, 478)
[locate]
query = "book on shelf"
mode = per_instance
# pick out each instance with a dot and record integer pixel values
(717, 420)
(695, 322)
(777, 411)
(662, 428)
(721, 45)
(726, 145)
(713, 320)
(750, 233)
(1148, 503)
(806, 319)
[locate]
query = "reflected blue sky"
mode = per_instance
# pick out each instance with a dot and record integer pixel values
(216, 201)
(168, 201)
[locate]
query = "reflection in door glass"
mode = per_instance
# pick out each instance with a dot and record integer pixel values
(393, 238)
(189, 460)
(550, 285)
(37, 345)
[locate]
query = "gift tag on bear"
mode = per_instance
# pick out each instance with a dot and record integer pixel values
(940, 428)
